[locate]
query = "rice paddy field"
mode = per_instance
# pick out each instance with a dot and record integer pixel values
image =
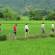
(37, 46)
(34, 27)
(28, 47)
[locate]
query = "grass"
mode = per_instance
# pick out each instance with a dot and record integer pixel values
(40, 46)
(34, 27)
(28, 47)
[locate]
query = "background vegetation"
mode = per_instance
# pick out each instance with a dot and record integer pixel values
(7, 13)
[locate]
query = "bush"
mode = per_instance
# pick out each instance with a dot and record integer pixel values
(52, 34)
(18, 18)
(3, 37)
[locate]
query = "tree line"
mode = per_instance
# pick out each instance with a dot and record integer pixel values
(8, 13)
(40, 14)
(34, 14)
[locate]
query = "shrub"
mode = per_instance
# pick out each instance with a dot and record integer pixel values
(52, 34)
(3, 37)
(18, 18)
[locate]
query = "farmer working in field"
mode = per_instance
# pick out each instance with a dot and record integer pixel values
(15, 29)
(52, 27)
(26, 30)
(42, 28)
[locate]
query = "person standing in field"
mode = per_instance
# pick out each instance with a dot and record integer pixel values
(14, 30)
(26, 30)
(52, 27)
(43, 28)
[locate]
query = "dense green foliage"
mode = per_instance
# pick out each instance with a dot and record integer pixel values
(40, 14)
(7, 13)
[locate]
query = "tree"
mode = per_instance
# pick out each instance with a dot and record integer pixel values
(10, 14)
(51, 15)
(37, 14)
